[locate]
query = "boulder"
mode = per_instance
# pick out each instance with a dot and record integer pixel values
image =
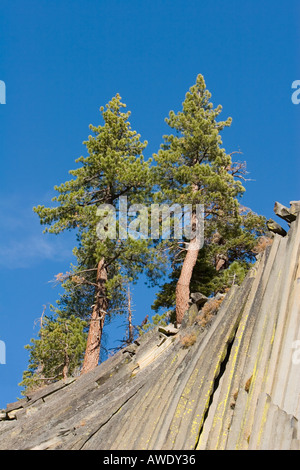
(284, 213)
(198, 299)
(168, 330)
(295, 207)
(276, 228)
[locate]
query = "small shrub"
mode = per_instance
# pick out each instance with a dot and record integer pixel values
(248, 383)
(208, 311)
(262, 244)
(188, 340)
(157, 320)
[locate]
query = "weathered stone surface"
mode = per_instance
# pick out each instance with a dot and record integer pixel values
(45, 391)
(295, 207)
(131, 349)
(17, 404)
(168, 330)
(276, 228)
(199, 299)
(190, 316)
(13, 414)
(284, 213)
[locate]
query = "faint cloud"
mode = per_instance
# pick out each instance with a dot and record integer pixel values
(31, 250)
(22, 242)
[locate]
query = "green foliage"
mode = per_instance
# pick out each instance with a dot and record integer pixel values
(156, 320)
(192, 167)
(235, 274)
(114, 167)
(57, 352)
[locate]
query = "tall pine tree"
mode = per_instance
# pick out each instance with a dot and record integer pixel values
(114, 167)
(192, 167)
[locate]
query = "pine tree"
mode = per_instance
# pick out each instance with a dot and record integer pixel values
(192, 167)
(57, 352)
(106, 261)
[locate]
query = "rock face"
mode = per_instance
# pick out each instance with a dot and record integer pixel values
(236, 386)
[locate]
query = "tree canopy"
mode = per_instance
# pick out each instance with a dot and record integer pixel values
(192, 167)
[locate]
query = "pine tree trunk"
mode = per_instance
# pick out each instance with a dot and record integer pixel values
(66, 365)
(92, 352)
(66, 357)
(130, 326)
(183, 283)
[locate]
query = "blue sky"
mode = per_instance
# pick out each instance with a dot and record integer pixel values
(62, 60)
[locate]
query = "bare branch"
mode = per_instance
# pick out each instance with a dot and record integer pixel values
(238, 169)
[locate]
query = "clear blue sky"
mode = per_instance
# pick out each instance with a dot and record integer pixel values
(62, 60)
